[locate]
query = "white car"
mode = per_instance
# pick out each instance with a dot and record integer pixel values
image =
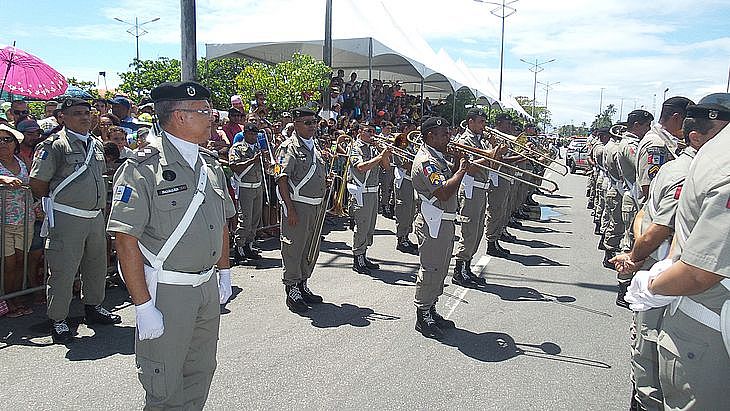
(577, 155)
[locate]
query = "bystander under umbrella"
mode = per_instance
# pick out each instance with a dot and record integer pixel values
(26, 75)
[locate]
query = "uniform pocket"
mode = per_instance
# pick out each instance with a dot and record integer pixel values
(152, 376)
(680, 360)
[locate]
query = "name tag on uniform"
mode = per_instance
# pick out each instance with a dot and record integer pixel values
(172, 190)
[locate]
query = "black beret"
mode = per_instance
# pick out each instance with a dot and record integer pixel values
(250, 127)
(475, 112)
(677, 103)
(602, 130)
(300, 112)
(715, 106)
(179, 91)
(502, 117)
(73, 101)
(641, 116)
(433, 122)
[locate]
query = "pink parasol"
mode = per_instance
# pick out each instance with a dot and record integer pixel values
(26, 75)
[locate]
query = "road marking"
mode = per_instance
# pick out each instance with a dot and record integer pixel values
(477, 269)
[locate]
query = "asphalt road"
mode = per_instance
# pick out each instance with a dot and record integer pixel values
(543, 334)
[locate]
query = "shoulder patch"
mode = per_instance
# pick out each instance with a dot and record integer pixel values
(677, 192)
(122, 193)
(653, 171)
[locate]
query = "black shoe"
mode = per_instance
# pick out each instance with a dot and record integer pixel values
(601, 246)
(295, 300)
(96, 314)
(590, 206)
(307, 294)
(237, 256)
(513, 223)
(369, 264)
(461, 276)
(531, 202)
(60, 333)
(504, 250)
(495, 251)
(623, 287)
(508, 237)
(391, 211)
(475, 278)
(426, 325)
(607, 255)
(441, 322)
(597, 230)
(249, 253)
(254, 247)
(350, 223)
(359, 266)
(521, 215)
(406, 246)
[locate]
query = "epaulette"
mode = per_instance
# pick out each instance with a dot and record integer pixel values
(50, 139)
(142, 155)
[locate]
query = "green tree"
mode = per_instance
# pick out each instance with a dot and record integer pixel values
(542, 114)
(567, 130)
(87, 86)
(148, 74)
(288, 84)
(604, 119)
(220, 77)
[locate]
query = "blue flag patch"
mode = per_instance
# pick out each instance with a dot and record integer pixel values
(122, 193)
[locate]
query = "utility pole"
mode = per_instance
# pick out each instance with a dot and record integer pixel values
(600, 105)
(548, 85)
(536, 68)
(188, 50)
(505, 10)
(137, 30)
(327, 52)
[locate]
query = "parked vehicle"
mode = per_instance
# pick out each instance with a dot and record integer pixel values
(577, 155)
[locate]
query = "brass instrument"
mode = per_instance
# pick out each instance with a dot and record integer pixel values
(476, 152)
(395, 150)
(618, 130)
(321, 214)
(529, 153)
(414, 137)
(338, 205)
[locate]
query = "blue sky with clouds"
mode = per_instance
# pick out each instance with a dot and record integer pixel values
(633, 50)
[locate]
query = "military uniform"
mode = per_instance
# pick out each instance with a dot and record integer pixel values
(363, 203)
(405, 201)
(599, 192)
(656, 148)
(660, 208)
(614, 195)
(473, 208)
(694, 365)
(626, 160)
(498, 195)
(75, 241)
(153, 190)
(306, 172)
(249, 192)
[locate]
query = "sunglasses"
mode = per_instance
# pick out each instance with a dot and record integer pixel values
(7, 140)
(308, 122)
(21, 112)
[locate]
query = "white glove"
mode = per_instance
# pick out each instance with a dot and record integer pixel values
(149, 321)
(224, 285)
(638, 295)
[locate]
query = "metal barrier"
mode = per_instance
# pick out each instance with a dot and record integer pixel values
(28, 219)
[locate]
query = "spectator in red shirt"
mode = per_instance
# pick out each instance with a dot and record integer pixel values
(234, 125)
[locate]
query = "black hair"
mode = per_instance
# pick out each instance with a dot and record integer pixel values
(700, 125)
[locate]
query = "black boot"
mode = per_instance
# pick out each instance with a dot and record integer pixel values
(494, 250)
(607, 255)
(406, 246)
(307, 294)
(60, 333)
(504, 250)
(601, 246)
(359, 266)
(426, 325)
(513, 223)
(590, 205)
(295, 300)
(96, 314)
(461, 276)
(391, 211)
(597, 230)
(531, 202)
(369, 264)
(474, 278)
(249, 253)
(441, 322)
(623, 287)
(506, 236)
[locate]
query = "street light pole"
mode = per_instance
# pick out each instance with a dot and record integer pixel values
(505, 10)
(536, 68)
(665, 94)
(136, 29)
(600, 105)
(548, 85)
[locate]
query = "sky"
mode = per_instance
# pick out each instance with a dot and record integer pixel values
(626, 51)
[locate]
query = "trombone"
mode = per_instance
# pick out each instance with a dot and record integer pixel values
(395, 150)
(506, 138)
(479, 153)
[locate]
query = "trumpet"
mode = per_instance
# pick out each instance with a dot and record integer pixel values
(507, 139)
(479, 153)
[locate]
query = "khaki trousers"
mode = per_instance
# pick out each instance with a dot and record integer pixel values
(177, 368)
(296, 241)
(615, 228)
(405, 208)
(434, 255)
(250, 205)
(645, 358)
(75, 245)
(364, 218)
(474, 209)
(628, 213)
(496, 204)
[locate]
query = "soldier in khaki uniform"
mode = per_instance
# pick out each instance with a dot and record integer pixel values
(68, 172)
(473, 199)
(362, 184)
(614, 232)
(599, 196)
(497, 198)
(694, 345)
(245, 162)
(436, 185)
(169, 214)
(639, 122)
(301, 178)
(405, 200)
(657, 227)
(659, 145)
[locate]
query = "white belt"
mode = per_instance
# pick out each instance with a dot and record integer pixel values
(249, 185)
(481, 185)
(75, 211)
(178, 278)
(305, 200)
(370, 189)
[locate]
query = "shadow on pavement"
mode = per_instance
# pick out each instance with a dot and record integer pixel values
(542, 230)
(328, 315)
(106, 341)
(498, 347)
(534, 260)
(537, 244)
